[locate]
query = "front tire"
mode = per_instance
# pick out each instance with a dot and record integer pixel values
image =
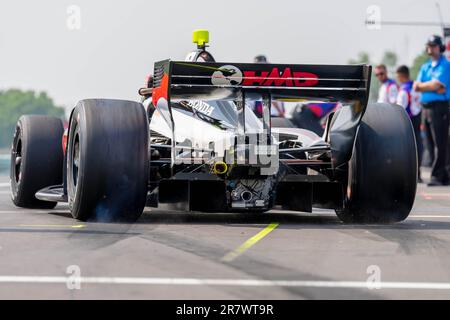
(107, 160)
(382, 174)
(36, 159)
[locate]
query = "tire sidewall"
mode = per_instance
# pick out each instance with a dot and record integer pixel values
(15, 185)
(109, 160)
(382, 171)
(77, 127)
(41, 159)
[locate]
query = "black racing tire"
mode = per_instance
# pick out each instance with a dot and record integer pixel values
(107, 160)
(278, 122)
(36, 159)
(382, 174)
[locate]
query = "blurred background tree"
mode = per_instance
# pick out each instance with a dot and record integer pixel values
(417, 63)
(14, 103)
(364, 58)
(389, 59)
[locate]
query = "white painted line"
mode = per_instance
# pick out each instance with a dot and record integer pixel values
(429, 216)
(4, 184)
(226, 282)
(74, 226)
(21, 210)
(43, 211)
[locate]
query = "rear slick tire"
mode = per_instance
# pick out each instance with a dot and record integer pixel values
(382, 174)
(36, 159)
(107, 160)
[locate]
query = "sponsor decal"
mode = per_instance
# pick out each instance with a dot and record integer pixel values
(201, 106)
(276, 78)
(231, 75)
(227, 75)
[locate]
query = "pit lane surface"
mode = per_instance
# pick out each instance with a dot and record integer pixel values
(177, 255)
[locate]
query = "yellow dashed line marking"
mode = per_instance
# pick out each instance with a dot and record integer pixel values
(249, 243)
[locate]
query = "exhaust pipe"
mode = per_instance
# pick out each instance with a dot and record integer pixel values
(246, 196)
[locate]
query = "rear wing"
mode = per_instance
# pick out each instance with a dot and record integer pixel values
(180, 80)
(349, 84)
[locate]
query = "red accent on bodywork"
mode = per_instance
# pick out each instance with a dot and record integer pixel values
(64, 141)
(162, 91)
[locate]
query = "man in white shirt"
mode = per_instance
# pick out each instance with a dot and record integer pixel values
(389, 90)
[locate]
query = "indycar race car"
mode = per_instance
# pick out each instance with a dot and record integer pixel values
(195, 144)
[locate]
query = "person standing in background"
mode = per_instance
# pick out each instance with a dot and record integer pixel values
(277, 109)
(409, 99)
(260, 59)
(433, 82)
(389, 89)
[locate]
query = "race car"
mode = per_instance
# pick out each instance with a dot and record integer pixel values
(194, 144)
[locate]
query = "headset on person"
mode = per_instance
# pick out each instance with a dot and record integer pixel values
(436, 40)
